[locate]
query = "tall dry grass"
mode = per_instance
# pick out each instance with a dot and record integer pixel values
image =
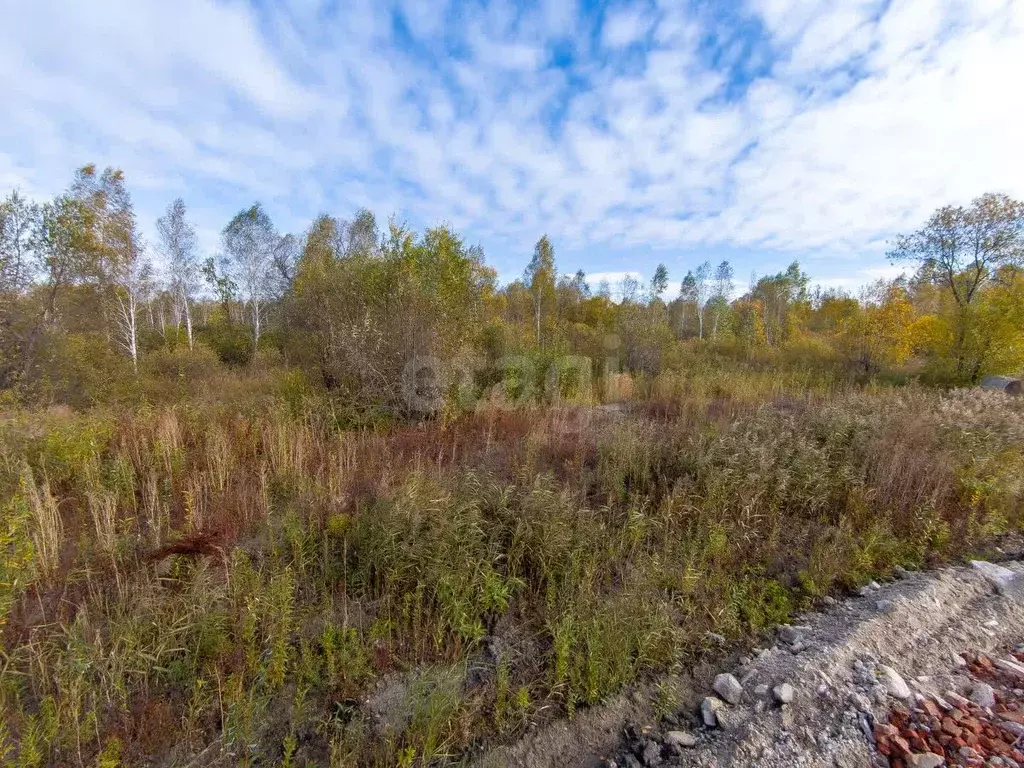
(243, 578)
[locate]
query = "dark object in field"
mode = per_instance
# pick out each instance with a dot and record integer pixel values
(1002, 383)
(195, 546)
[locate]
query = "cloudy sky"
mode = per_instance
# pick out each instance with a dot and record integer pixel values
(630, 132)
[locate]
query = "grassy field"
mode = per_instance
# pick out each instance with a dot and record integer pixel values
(238, 574)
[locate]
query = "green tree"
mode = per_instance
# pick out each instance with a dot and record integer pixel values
(19, 220)
(721, 291)
(249, 243)
(659, 282)
(540, 279)
(963, 249)
(781, 299)
(179, 246)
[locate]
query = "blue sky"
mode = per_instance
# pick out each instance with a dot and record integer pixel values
(631, 132)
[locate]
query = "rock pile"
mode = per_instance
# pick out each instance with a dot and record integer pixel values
(673, 743)
(876, 680)
(650, 747)
(986, 728)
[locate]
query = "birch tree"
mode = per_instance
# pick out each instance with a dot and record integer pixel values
(702, 292)
(18, 220)
(720, 293)
(249, 243)
(540, 278)
(179, 246)
(659, 282)
(120, 270)
(133, 285)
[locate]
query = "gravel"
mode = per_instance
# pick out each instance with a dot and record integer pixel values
(858, 665)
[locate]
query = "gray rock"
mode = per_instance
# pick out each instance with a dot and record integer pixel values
(865, 728)
(1011, 727)
(728, 718)
(761, 690)
(957, 699)
(900, 572)
(784, 693)
(729, 688)
(652, 753)
(709, 709)
(870, 588)
(789, 634)
(999, 577)
(886, 606)
(894, 683)
(925, 760)
(860, 701)
(1012, 667)
(983, 695)
(680, 739)
(879, 694)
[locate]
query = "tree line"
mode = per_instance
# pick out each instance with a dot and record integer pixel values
(84, 301)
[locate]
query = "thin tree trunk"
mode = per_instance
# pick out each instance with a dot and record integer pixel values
(255, 324)
(536, 313)
(188, 324)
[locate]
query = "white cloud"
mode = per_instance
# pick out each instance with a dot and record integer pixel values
(424, 17)
(625, 26)
(862, 278)
(509, 121)
(612, 278)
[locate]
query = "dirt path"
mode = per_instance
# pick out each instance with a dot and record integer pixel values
(845, 668)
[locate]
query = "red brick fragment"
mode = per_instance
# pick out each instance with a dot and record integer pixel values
(951, 727)
(971, 724)
(886, 730)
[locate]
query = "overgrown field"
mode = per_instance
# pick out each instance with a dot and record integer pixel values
(248, 578)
